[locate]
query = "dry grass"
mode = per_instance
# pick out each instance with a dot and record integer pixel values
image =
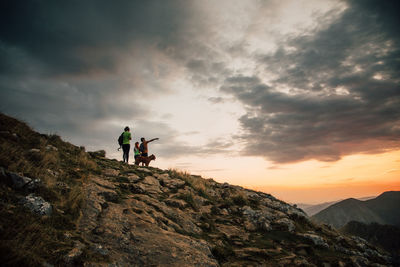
(27, 239)
(239, 198)
(196, 182)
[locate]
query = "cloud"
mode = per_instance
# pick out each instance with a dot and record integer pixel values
(83, 37)
(173, 148)
(333, 92)
(85, 69)
(216, 100)
(390, 171)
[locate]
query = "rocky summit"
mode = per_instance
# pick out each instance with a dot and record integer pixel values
(63, 206)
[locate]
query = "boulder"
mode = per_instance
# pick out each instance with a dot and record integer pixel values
(260, 218)
(285, 224)
(249, 212)
(252, 195)
(133, 178)
(20, 182)
(316, 240)
(37, 205)
(150, 180)
(51, 148)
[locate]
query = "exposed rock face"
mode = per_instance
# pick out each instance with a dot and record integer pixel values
(141, 231)
(18, 181)
(159, 218)
(37, 205)
(101, 212)
(316, 240)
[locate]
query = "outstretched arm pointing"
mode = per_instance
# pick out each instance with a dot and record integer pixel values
(153, 140)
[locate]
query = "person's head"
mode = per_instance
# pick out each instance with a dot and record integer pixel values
(126, 129)
(142, 139)
(137, 144)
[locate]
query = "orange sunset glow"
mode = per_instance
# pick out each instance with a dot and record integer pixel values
(312, 181)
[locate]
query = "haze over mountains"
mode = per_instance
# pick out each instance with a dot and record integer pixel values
(383, 209)
(312, 209)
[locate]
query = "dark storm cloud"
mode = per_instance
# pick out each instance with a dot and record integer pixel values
(337, 91)
(207, 71)
(62, 64)
(76, 37)
(65, 107)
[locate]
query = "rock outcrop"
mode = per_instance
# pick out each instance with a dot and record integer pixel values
(101, 212)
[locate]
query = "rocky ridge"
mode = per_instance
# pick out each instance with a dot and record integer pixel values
(106, 213)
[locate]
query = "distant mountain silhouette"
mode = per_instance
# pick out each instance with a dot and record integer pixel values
(312, 209)
(383, 209)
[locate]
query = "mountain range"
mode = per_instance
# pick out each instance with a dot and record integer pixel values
(383, 209)
(312, 209)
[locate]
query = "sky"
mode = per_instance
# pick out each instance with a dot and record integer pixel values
(298, 98)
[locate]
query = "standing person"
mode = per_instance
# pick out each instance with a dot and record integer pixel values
(136, 150)
(126, 146)
(143, 146)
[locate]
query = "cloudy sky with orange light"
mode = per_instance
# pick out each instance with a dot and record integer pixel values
(298, 98)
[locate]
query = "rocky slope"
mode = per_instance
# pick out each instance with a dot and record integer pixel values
(62, 206)
(382, 209)
(385, 236)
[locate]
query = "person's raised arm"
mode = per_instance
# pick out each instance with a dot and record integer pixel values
(152, 140)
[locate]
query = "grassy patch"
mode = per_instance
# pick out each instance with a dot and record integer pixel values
(196, 182)
(27, 239)
(188, 198)
(239, 200)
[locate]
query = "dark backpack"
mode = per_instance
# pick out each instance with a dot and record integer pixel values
(141, 148)
(121, 140)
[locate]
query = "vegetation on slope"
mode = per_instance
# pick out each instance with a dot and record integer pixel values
(26, 238)
(106, 212)
(385, 236)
